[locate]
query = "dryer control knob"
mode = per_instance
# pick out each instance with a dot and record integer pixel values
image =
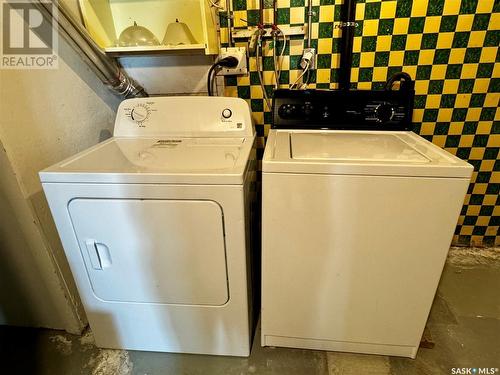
(227, 113)
(139, 113)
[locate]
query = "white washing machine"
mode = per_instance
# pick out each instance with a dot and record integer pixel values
(356, 225)
(155, 225)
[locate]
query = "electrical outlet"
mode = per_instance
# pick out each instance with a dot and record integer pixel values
(309, 54)
(241, 54)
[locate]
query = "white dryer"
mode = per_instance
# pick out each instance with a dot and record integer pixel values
(155, 223)
(356, 224)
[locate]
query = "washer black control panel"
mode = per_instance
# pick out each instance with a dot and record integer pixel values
(330, 109)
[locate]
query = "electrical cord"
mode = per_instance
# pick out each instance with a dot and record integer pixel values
(275, 60)
(406, 84)
(306, 69)
(303, 86)
(209, 79)
(216, 4)
(227, 62)
(258, 52)
(278, 61)
(306, 64)
(308, 78)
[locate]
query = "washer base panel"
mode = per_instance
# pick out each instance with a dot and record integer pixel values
(341, 346)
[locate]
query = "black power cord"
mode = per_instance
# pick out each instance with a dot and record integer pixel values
(406, 84)
(226, 62)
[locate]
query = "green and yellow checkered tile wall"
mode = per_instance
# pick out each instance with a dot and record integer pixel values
(450, 48)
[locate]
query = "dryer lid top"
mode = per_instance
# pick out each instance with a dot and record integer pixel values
(398, 153)
(154, 160)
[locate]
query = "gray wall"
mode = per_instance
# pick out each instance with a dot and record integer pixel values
(46, 116)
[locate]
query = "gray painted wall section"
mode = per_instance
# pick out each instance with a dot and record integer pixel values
(47, 115)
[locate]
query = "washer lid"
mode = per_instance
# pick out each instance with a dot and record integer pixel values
(360, 153)
(352, 146)
(153, 160)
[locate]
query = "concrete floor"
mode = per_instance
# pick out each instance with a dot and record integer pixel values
(464, 324)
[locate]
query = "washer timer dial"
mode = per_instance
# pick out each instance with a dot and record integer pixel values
(380, 112)
(384, 112)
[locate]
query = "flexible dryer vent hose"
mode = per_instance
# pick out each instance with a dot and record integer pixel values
(106, 68)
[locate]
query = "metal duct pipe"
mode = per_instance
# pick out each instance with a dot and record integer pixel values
(309, 22)
(105, 67)
(348, 23)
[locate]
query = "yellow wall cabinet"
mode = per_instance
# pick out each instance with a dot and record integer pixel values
(178, 26)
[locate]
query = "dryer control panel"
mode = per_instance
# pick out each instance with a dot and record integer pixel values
(184, 116)
(329, 109)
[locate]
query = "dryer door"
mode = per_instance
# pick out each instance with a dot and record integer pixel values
(153, 251)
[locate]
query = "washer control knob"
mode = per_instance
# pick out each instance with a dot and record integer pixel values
(227, 113)
(379, 112)
(289, 111)
(384, 112)
(307, 109)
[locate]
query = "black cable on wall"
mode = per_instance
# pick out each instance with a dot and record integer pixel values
(348, 22)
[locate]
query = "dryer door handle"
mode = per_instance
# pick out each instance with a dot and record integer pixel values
(99, 254)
